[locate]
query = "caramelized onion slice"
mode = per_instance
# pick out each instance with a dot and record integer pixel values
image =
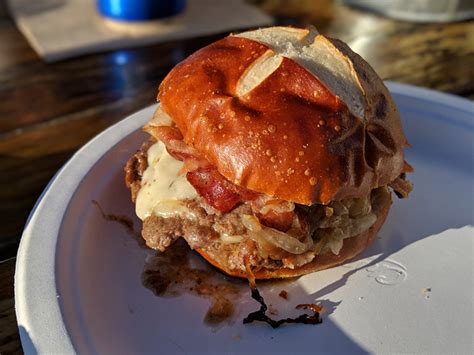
(277, 206)
(230, 239)
(282, 240)
(359, 207)
(333, 238)
(362, 224)
(401, 187)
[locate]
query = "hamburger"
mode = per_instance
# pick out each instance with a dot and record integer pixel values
(273, 154)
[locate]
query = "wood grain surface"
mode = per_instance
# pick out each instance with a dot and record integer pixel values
(48, 111)
(9, 338)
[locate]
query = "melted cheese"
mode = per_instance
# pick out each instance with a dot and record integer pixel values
(163, 188)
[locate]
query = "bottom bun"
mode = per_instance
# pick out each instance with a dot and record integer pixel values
(352, 247)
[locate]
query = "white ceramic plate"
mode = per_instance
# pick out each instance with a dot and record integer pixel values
(78, 277)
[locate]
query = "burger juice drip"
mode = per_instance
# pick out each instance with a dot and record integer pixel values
(171, 274)
(261, 314)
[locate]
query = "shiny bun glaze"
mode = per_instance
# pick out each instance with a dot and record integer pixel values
(289, 136)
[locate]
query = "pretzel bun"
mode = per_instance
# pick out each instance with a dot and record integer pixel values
(289, 113)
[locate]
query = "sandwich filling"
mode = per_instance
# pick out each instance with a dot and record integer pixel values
(178, 194)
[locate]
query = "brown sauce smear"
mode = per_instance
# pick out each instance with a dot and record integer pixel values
(170, 274)
(124, 221)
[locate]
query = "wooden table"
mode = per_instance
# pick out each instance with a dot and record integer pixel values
(48, 111)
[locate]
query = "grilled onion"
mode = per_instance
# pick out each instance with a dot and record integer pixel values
(277, 206)
(361, 224)
(284, 241)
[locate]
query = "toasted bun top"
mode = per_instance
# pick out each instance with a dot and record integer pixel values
(289, 113)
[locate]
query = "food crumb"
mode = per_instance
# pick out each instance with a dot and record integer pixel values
(426, 292)
(236, 337)
(272, 310)
(283, 294)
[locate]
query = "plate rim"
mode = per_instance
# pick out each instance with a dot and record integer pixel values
(54, 338)
(35, 338)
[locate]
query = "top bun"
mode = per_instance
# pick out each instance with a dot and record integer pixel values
(289, 113)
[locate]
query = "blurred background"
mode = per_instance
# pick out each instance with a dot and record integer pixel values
(71, 68)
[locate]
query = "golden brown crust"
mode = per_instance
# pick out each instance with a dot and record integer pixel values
(135, 167)
(290, 137)
(351, 248)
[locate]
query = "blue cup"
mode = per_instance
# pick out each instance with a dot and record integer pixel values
(139, 10)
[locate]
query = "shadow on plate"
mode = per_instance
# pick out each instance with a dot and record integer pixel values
(26, 342)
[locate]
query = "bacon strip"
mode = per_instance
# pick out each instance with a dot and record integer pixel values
(176, 147)
(214, 188)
